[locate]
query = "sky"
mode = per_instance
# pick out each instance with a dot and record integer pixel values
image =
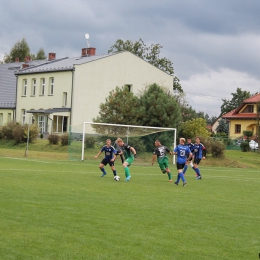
(214, 44)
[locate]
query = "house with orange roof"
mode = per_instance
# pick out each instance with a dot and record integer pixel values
(244, 117)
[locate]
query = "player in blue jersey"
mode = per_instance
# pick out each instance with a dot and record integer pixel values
(181, 151)
(110, 156)
(199, 153)
(188, 162)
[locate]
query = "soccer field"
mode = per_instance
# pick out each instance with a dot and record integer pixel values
(64, 210)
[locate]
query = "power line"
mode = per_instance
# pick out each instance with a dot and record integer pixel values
(205, 96)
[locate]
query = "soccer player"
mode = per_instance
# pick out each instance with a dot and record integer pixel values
(182, 151)
(188, 162)
(129, 154)
(161, 153)
(199, 152)
(110, 156)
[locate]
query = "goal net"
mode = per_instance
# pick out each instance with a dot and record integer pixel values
(92, 136)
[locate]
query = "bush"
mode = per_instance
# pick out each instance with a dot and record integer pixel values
(64, 139)
(90, 142)
(41, 136)
(7, 130)
(53, 139)
(244, 146)
(33, 134)
(19, 134)
(217, 149)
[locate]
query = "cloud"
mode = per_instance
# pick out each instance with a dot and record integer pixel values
(204, 92)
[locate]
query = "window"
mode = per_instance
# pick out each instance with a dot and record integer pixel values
(9, 117)
(129, 87)
(60, 124)
(237, 129)
(42, 89)
(24, 87)
(248, 109)
(64, 99)
(33, 87)
(1, 118)
(23, 116)
(51, 89)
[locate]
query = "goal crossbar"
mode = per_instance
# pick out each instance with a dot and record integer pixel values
(128, 126)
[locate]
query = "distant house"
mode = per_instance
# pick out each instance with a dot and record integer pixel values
(244, 117)
(8, 88)
(66, 92)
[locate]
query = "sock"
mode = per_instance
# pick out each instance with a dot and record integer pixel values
(185, 169)
(197, 171)
(191, 164)
(182, 177)
(103, 170)
(127, 172)
(114, 172)
(178, 178)
(169, 176)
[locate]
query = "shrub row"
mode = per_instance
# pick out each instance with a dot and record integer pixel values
(19, 133)
(55, 139)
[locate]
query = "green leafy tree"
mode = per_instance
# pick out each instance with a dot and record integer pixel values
(187, 113)
(120, 107)
(150, 54)
(237, 99)
(195, 127)
(20, 50)
(222, 127)
(160, 108)
(41, 54)
(212, 120)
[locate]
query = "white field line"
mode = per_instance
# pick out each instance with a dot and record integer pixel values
(243, 178)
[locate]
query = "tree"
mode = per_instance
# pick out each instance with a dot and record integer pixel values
(120, 107)
(159, 107)
(222, 127)
(150, 54)
(41, 54)
(195, 127)
(20, 50)
(237, 99)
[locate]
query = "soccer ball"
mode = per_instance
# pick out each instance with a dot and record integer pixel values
(117, 178)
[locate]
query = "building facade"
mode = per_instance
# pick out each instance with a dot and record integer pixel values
(67, 92)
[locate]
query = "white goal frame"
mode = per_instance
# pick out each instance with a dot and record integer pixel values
(130, 126)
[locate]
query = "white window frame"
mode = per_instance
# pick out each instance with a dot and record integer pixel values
(64, 99)
(42, 91)
(34, 82)
(24, 92)
(51, 90)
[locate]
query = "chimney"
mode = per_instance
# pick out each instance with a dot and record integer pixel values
(91, 51)
(52, 56)
(25, 65)
(17, 59)
(27, 59)
(88, 51)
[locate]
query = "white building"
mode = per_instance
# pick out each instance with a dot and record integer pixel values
(68, 91)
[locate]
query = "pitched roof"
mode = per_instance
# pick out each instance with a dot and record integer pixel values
(64, 64)
(253, 99)
(8, 82)
(234, 114)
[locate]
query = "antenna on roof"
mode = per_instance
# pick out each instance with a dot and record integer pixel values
(87, 38)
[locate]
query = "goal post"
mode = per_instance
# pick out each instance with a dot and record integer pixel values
(126, 132)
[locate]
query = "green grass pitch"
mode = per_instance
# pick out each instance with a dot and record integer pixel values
(65, 210)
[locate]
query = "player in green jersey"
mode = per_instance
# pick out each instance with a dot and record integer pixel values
(129, 154)
(161, 153)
